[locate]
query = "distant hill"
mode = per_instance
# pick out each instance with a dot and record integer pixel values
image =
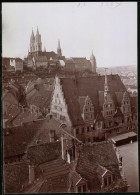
(118, 69)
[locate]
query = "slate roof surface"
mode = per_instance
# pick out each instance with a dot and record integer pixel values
(75, 87)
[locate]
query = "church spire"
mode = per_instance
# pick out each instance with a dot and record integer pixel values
(59, 49)
(106, 89)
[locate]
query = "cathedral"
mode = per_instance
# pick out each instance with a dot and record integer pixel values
(37, 58)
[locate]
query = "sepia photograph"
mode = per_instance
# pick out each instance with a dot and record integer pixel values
(69, 97)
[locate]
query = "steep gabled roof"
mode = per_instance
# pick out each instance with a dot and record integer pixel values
(73, 88)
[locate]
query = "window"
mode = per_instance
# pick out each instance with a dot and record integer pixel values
(87, 129)
(105, 181)
(83, 130)
(84, 188)
(77, 131)
(79, 189)
(109, 180)
(88, 139)
(91, 115)
(62, 117)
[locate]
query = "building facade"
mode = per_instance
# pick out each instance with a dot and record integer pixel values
(93, 108)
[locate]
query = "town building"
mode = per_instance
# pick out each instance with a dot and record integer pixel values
(17, 63)
(94, 108)
(39, 157)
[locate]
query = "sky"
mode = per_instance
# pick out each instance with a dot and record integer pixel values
(109, 29)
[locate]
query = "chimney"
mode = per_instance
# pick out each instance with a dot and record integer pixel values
(31, 173)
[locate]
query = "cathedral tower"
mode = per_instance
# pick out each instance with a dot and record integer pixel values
(93, 63)
(35, 43)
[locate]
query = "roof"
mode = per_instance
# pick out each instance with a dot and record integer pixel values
(24, 117)
(43, 153)
(118, 113)
(91, 156)
(40, 58)
(16, 139)
(124, 136)
(15, 175)
(80, 61)
(49, 55)
(99, 117)
(74, 88)
(41, 98)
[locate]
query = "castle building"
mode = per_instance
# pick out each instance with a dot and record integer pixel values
(93, 108)
(37, 58)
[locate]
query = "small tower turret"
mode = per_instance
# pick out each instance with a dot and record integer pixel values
(93, 63)
(59, 52)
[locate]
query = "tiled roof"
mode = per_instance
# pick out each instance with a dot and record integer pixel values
(42, 153)
(118, 113)
(16, 139)
(49, 55)
(24, 117)
(99, 117)
(73, 88)
(80, 61)
(15, 175)
(119, 96)
(91, 156)
(12, 112)
(41, 98)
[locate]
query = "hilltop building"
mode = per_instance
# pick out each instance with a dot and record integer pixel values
(37, 58)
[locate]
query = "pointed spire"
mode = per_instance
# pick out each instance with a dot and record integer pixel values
(106, 83)
(44, 49)
(59, 44)
(37, 32)
(59, 49)
(32, 36)
(92, 56)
